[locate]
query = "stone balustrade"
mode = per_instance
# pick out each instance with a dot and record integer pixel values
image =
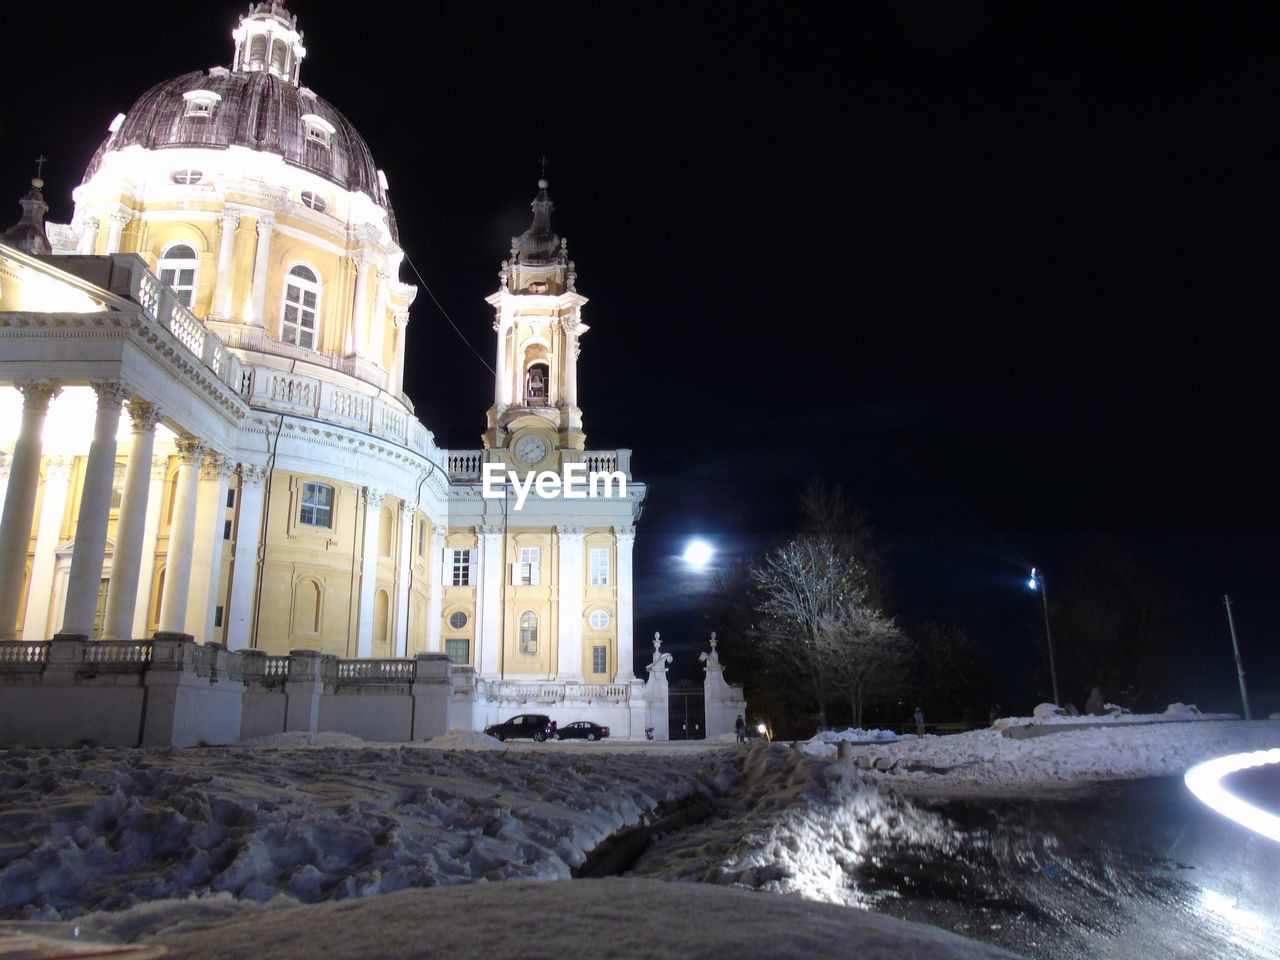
(468, 464)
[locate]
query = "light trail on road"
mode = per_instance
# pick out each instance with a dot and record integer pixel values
(1205, 781)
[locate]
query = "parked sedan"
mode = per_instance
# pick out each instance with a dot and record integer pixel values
(533, 726)
(583, 730)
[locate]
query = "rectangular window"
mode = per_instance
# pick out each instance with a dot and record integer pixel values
(231, 497)
(422, 537)
(458, 650)
(526, 573)
(461, 563)
(226, 530)
(117, 487)
(599, 566)
(599, 659)
(317, 505)
(217, 616)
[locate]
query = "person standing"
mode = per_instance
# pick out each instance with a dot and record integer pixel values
(740, 728)
(919, 723)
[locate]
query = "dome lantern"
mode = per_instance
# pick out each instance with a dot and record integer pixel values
(268, 41)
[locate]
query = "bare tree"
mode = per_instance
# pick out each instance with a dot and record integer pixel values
(800, 585)
(867, 654)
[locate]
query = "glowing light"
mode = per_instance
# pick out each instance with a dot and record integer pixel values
(760, 728)
(698, 553)
(1032, 582)
(1204, 780)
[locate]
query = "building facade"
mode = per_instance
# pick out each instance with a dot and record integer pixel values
(204, 429)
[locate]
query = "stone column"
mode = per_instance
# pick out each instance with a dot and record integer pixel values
(500, 380)
(126, 565)
(401, 323)
(118, 221)
(368, 571)
(222, 290)
(206, 563)
(182, 529)
(20, 501)
(261, 264)
(403, 578)
(625, 538)
(53, 507)
(95, 510)
(569, 668)
(571, 350)
(88, 245)
(379, 317)
(360, 309)
(489, 604)
(150, 538)
(247, 556)
(4, 476)
(435, 580)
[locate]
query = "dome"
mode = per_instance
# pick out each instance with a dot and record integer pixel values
(257, 110)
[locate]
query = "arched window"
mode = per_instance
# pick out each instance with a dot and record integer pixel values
(279, 56)
(257, 51)
(178, 267)
(386, 532)
(301, 307)
(537, 385)
(528, 633)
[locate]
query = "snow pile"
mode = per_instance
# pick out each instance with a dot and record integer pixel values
(465, 740)
(1110, 751)
(300, 739)
(856, 735)
(1047, 713)
(791, 824)
(97, 828)
(628, 919)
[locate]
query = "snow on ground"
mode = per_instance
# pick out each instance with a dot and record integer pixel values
(98, 828)
(626, 919)
(857, 735)
(1047, 713)
(989, 760)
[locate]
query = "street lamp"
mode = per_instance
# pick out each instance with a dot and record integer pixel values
(1036, 582)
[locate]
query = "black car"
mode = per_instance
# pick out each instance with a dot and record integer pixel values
(583, 730)
(533, 726)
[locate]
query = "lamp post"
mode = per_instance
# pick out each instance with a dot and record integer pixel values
(1036, 582)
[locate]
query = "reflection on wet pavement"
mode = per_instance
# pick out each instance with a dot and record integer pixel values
(1127, 870)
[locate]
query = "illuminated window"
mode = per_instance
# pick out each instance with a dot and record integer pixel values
(200, 103)
(178, 267)
(599, 619)
(528, 634)
(301, 307)
(314, 201)
(279, 57)
(599, 566)
(599, 659)
(258, 51)
(317, 505)
(319, 130)
(458, 650)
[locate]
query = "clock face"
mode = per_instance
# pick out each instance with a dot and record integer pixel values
(531, 449)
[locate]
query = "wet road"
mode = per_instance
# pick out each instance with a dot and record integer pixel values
(1136, 869)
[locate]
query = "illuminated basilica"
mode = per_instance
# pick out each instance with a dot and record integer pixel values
(204, 432)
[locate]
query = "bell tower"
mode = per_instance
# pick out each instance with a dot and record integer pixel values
(535, 414)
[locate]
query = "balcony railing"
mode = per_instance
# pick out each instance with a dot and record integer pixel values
(464, 465)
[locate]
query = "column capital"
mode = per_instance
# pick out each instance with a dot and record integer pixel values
(438, 537)
(111, 393)
(252, 474)
(190, 450)
(6, 460)
(36, 394)
(265, 222)
(489, 531)
(569, 532)
(624, 533)
(230, 217)
(372, 497)
(400, 318)
(407, 510)
(122, 217)
(144, 415)
(159, 468)
(215, 466)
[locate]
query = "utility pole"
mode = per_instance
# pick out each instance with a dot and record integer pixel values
(1235, 645)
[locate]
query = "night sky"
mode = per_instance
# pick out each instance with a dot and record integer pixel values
(1006, 273)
